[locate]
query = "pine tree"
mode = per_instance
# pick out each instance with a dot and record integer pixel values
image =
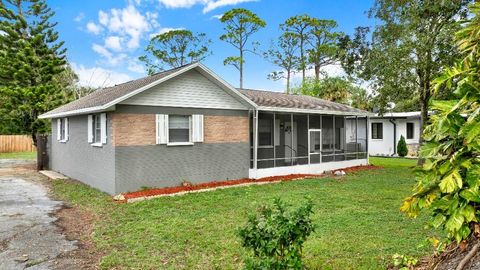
(31, 59)
(402, 149)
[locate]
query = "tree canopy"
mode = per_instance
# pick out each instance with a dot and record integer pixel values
(175, 48)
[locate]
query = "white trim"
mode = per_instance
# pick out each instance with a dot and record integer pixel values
(59, 129)
(66, 134)
(91, 110)
(90, 128)
(295, 110)
(97, 144)
(103, 128)
(180, 143)
(305, 169)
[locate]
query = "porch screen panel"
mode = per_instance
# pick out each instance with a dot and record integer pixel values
(327, 138)
(283, 140)
(265, 158)
(300, 139)
(315, 143)
(362, 137)
(339, 138)
(351, 144)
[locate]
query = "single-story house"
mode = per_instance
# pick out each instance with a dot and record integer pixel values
(386, 129)
(188, 124)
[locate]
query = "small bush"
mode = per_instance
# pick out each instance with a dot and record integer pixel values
(276, 236)
(402, 149)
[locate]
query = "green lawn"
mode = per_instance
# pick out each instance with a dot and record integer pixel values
(19, 155)
(359, 225)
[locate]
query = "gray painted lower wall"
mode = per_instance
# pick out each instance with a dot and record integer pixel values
(77, 159)
(163, 166)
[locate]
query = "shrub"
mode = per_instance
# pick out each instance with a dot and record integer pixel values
(450, 179)
(276, 235)
(402, 149)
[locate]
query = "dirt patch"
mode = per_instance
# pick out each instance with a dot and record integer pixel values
(77, 224)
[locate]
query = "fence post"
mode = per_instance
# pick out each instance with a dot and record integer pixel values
(42, 152)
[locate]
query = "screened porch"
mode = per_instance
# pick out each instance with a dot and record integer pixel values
(290, 139)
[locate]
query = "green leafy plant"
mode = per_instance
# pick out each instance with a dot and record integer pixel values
(402, 149)
(404, 262)
(276, 235)
(450, 179)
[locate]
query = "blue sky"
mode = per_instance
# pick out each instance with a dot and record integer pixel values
(104, 38)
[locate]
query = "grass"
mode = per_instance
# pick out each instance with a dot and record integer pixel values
(359, 225)
(19, 155)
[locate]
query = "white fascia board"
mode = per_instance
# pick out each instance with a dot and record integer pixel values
(90, 110)
(228, 87)
(296, 110)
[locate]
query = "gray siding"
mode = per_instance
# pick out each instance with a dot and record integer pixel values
(188, 90)
(77, 159)
(171, 110)
(163, 166)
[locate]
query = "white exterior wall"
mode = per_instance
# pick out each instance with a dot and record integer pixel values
(188, 90)
(385, 146)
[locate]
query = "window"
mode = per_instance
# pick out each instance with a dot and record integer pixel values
(377, 130)
(62, 132)
(179, 128)
(97, 129)
(410, 131)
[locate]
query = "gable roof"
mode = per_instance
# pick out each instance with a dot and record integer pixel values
(277, 101)
(105, 99)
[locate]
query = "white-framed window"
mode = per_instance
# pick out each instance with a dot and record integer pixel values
(179, 129)
(176, 129)
(410, 130)
(377, 131)
(97, 129)
(62, 129)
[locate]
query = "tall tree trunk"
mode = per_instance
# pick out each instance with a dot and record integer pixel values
(288, 81)
(424, 99)
(302, 60)
(241, 68)
(317, 72)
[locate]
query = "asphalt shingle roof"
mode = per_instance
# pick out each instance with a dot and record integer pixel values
(283, 100)
(260, 97)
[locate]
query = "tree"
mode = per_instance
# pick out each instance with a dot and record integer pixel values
(336, 89)
(283, 54)
(276, 236)
(360, 98)
(448, 186)
(298, 26)
(31, 57)
(407, 49)
(323, 42)
(175, 48)
(402, 149)
(240, 25)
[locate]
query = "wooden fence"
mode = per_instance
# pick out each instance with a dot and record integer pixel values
(16, 143)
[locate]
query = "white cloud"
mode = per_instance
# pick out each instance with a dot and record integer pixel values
(135, 66)
(211, 5)
(208, 5)
(113, 42)
(127, 22)
(218, 16)
(94, 28)
(111, 59)
(79, 17)
(98, 77)
(164, 30)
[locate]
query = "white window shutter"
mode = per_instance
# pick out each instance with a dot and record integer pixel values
(89, 129)
(162, 128)
(103, 127)
(59, 129)
(197, 128)
(66, 129)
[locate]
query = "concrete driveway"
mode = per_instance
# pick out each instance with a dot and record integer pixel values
(28, 237)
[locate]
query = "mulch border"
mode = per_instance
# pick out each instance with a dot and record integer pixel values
(208, 186)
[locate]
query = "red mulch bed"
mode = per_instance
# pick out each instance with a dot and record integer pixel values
(214, 184)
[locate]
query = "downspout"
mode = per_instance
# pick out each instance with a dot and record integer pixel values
(394, 136)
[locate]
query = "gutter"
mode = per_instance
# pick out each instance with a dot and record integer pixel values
(394, 135)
